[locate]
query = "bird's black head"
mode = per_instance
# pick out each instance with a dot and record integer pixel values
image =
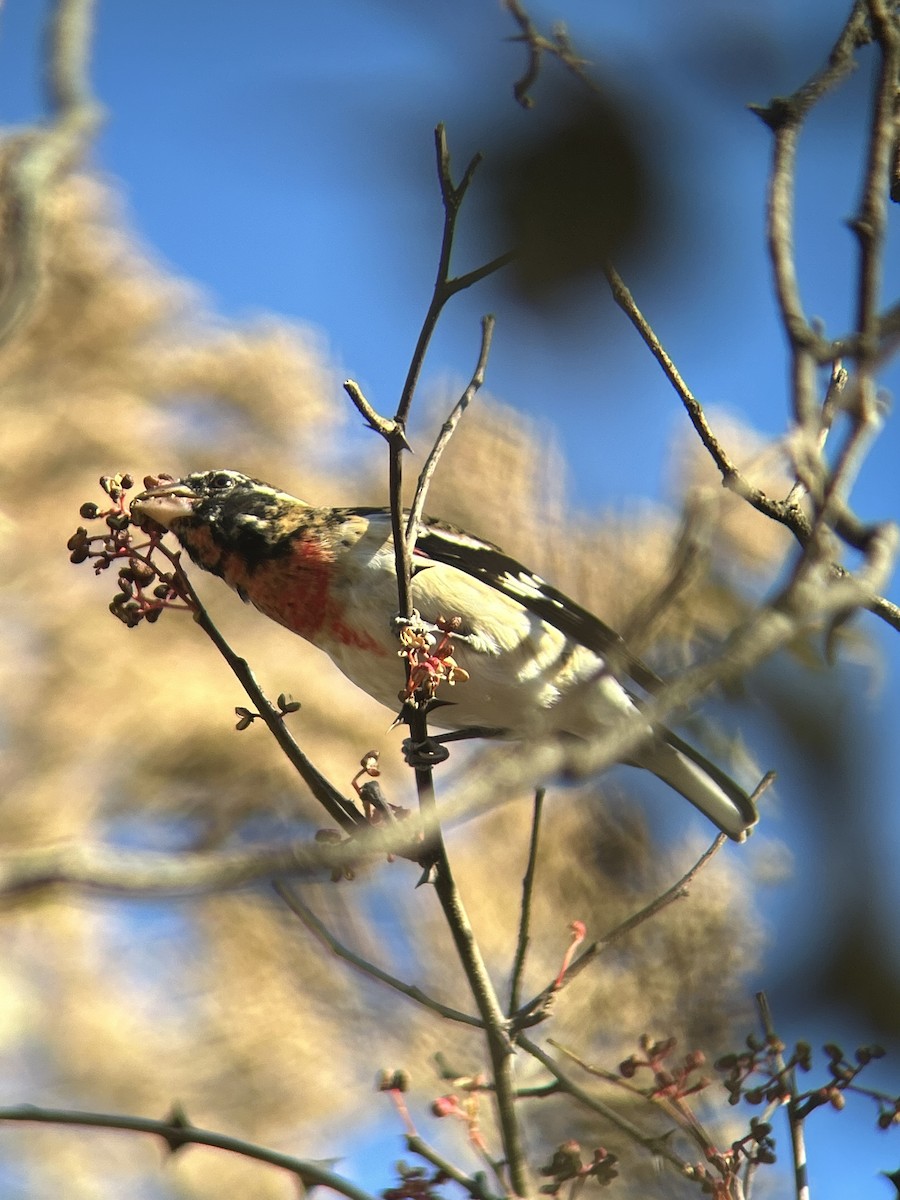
(204, 496)
(238, 512)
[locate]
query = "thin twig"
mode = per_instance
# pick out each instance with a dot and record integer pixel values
(795, 1122)
(676, 1109)
(869, 226)
(732, 477)
(445, 286)
(867, 422)
(525, 906)
(678, 891)
(786, 512)
(785, 117)
(870, 222)
(176, 1131)
(689, 554)
(151, 873)
(338, 807)
(537, 45)
(658, 1145)
(468, 279)
(536, 1009)
(324, 935)
(447, 430)
(780, 236)
(475, 1185)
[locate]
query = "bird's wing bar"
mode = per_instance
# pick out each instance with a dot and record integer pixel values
(492, 566)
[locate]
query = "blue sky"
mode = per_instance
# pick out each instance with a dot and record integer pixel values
(280, 155)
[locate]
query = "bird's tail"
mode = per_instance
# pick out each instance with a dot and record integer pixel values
(697, 779)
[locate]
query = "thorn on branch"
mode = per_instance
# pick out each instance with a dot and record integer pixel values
(779, 112)
(177, 1123)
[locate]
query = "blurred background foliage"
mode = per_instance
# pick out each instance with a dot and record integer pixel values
(224, 1003)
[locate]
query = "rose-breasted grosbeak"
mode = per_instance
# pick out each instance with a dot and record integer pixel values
(533, 661)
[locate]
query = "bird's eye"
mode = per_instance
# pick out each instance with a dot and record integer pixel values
(221, 481)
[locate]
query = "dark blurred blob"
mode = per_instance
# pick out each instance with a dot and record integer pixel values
(860, 975)
(843, 955)
(573, 189)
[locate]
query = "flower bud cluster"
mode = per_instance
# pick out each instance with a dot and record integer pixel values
(763, 1073)
(430, 659)
(144, 586)
(673, 1082)
(566, 1165)
(415, 1183)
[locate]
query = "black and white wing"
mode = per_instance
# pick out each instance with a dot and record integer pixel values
(488, 563)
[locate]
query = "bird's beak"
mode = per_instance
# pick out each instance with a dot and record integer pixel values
(166, 502)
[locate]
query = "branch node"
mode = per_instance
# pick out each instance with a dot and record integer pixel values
(775, 115)
(382, 425)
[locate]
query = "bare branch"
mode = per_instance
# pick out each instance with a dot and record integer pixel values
(559, 46)
(870, 222)
(525, 907)
(433, 852)
(374, 420)
(444, 286)
(786, 512)
(732, 477)
(795, 1121)
(678, 891)
(101, 867)
(475, 1185)
(460, 282)
(654, 1145)
(176, 1131)
(785, 116)
(338, 807)
(500, 1048)
(446, 433)
(330, 942)
(536, 46)
(537, 1008)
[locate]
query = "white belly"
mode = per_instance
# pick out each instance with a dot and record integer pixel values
(523, 674)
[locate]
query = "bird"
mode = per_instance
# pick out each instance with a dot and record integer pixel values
(524, 658)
